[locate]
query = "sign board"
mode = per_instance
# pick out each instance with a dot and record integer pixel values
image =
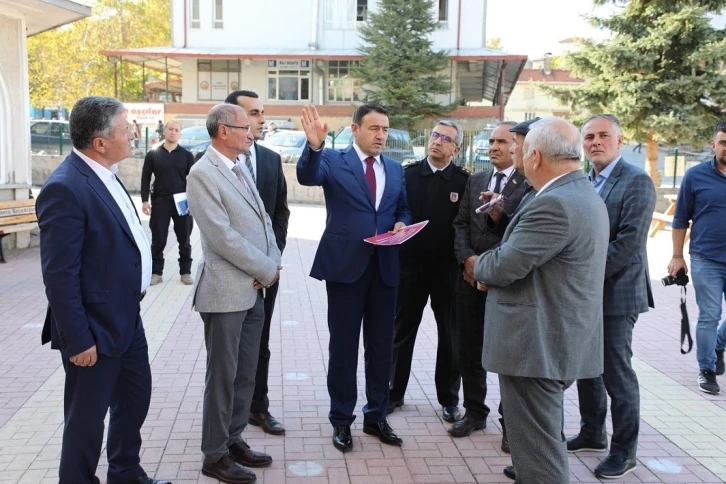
(289, 64)
(145, 113)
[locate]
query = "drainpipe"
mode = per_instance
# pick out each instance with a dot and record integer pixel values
(186, 2)
(316, 18)
(458, 28)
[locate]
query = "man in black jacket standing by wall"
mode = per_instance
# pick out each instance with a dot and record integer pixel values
(428, 268)
(170, 165)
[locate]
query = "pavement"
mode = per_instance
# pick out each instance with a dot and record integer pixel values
(682, 435)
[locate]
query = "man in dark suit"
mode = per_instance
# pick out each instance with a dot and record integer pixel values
(539, 348)
(96, 264)
(265, 166)
(629, 196)
(365, 195)
(434, 187)
(472, 237)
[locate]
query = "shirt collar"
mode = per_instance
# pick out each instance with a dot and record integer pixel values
(227, 162)
(363, 156)
(605, 173)
(434, 169)
(103, 173)
(507, 171)
(550, 183)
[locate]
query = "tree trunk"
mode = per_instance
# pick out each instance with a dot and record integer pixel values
(651, 159)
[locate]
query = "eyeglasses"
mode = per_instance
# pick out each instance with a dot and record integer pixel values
(442, 137)
(246, 129)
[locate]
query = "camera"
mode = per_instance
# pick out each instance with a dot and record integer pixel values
(681, 279)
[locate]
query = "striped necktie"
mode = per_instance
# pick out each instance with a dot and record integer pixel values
(248, 164)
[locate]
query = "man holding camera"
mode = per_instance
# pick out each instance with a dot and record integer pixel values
(629, 196)
(702, 201)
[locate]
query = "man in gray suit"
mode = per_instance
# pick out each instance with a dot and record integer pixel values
(629, 196)
(544, 308)
(240, 256)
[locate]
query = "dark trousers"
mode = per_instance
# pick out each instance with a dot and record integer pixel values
(121, 384)
(470, 306)
(371, 301)
(260, 401)
(163, 211)
(621, 383)
(535, 423)
(233, 342)
(414, 290)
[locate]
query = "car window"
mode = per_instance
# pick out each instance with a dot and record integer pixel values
(55, 129)
(286, 140)
(195, 133)
(39, 128)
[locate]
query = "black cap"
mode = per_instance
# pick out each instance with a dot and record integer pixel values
(523, 127)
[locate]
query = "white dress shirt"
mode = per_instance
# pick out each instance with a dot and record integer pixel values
(108, 177)
(549, 183)
(379, 171)
(507, 175)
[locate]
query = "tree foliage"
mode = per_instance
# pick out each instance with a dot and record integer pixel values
(660, 71)
(399, 68)
(64, 64)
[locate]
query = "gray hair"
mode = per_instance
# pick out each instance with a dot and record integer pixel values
(93, 117)
(610, 117)
(555, 143)
(219, 115)
(453, 124)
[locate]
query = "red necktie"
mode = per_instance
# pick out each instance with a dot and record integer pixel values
(371, 176)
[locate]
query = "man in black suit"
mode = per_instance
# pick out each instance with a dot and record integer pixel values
(265, 167)
(472, 238)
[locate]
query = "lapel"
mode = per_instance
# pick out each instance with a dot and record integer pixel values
(262, 162)
(611, 180)
(515, 181)
(232, 179)
(388, 190)
(102, 192)
(350, 156)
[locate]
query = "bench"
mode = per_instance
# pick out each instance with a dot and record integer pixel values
(16, 216)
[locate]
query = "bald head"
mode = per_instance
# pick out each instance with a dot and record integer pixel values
(229, 128)
(220, 115)
(552, 148)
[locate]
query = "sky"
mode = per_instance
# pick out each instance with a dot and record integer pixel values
(534, 27)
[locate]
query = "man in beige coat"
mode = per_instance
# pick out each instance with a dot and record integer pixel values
(240, 256)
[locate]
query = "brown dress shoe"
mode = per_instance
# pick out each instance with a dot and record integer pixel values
(227, 470)
(242, 454)
(267, 423)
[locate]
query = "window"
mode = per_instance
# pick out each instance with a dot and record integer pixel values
(218, 14)
(528, 116)
(217, 78)
(194, 13)
(341, 85)
(443, 14)
(344, 14)
(288, 80)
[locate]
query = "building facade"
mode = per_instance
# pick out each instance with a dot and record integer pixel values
(528, 101)
(295, 52)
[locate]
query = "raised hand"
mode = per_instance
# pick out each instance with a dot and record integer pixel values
(315, 130)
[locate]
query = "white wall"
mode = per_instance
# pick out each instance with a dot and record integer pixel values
(289, 25)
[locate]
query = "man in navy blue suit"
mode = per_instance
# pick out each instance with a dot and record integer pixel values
(96, 263)
(365, 195)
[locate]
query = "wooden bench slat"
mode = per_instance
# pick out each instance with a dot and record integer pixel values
(662, 216)
(18, 219)
(17, 203)
(18, 228)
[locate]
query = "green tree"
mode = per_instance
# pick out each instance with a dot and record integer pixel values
(495, 43)
(399, 68)
(659, 73)
(64, 64)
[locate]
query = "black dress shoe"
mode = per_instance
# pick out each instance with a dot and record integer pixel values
(580, 443)
(509, 472)
(142, 479)
(383, 431)
(505, 440)
(393, 404)
(242, 454)
(227, 470)
(267, 423)
(615, 467)
(342, 439)
(450, 413)
(467, 425)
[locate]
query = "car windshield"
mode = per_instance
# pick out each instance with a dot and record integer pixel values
(195, 133)
(286, 140)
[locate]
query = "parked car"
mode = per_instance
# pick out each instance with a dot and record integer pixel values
(289, 144)
(398, 144)
(48, 135)
(195, 139)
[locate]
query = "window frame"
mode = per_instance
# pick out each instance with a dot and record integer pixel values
(194, 23)
(278, 69)
(217, 14)
(342, 84)
(232, 69)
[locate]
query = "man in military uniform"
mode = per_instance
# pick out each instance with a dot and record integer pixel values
(428, 268)
(473, 236)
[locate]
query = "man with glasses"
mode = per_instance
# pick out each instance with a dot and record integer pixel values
(702, 201)
(473, 237)
(434, 187)
(240, 258)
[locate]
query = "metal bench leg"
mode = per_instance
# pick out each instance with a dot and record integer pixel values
(2, 257)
